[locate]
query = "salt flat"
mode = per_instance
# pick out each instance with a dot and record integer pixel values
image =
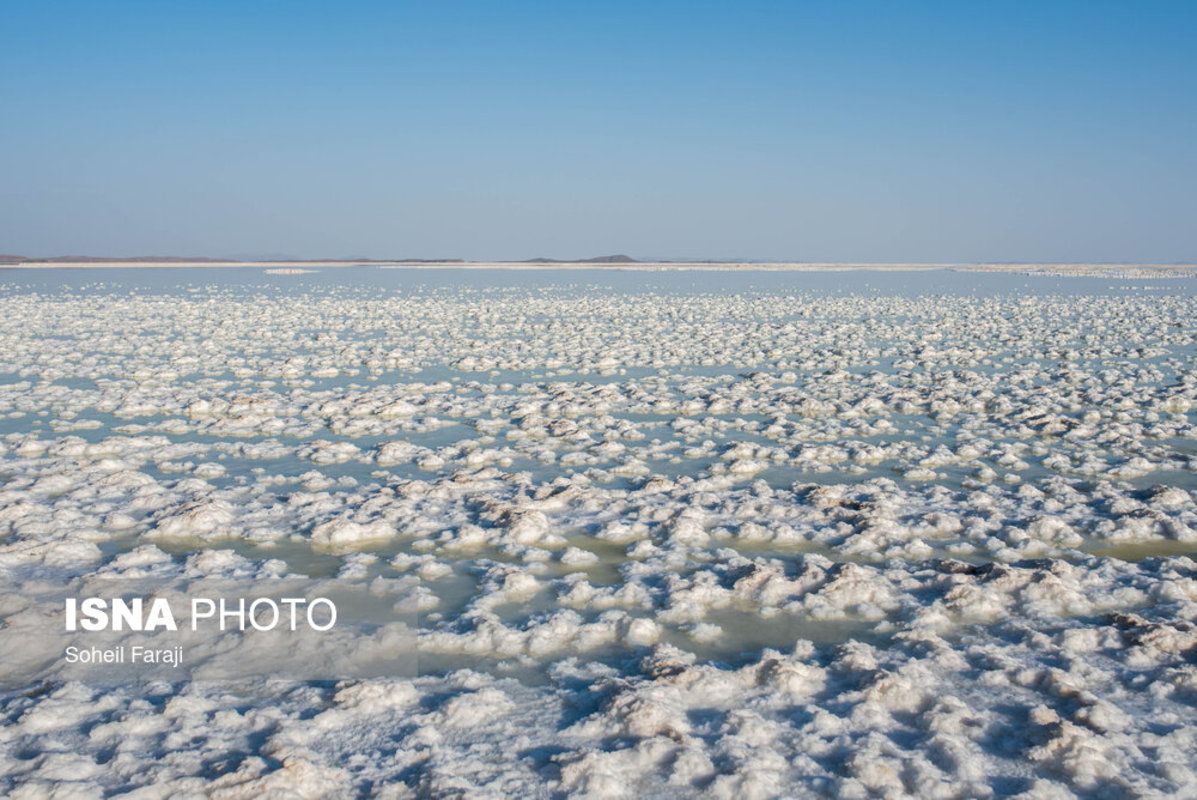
(286, 267)
(741, 534)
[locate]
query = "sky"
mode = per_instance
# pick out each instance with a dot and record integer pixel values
(1053, 130)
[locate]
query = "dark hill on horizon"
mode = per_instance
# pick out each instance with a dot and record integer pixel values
(617, 259)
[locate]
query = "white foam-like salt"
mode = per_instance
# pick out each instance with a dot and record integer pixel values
(665, 543)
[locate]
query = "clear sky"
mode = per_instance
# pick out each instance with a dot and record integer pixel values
(874, 131)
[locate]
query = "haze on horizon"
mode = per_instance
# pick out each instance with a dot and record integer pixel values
(871, 131)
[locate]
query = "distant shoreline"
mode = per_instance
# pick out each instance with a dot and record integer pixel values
(277, 267)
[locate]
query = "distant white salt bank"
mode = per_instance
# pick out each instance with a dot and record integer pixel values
(300, 267)
(1091, 270)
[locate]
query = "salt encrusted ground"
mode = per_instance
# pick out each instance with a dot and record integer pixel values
(670, 542)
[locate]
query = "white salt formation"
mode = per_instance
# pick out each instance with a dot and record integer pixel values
(667, 543)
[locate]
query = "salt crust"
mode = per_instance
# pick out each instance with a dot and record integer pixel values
(872, 558)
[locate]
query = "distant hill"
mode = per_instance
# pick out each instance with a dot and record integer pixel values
(619, 259)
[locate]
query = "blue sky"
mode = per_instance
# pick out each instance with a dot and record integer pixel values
(873, 131)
